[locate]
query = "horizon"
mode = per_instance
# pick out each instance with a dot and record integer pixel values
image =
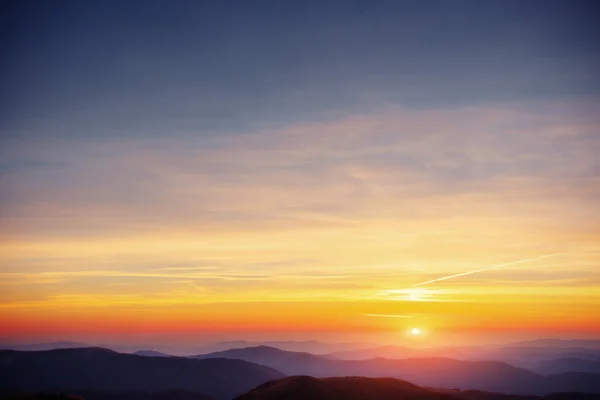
(311, 346)
(393, 172)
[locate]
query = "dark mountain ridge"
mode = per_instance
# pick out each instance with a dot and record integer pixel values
(43, 346)
(101, 369)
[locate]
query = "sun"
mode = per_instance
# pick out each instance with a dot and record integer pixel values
(416, 294)
(415, 331)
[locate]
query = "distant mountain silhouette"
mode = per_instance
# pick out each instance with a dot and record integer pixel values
(151, 353)
(399, 352)
(346, 388)
(69, 370)
(434, 372)
(311, 346)
(531, 357)
(523, 356)
(568, 364)
(588, 344)
(102, 395)
(263, 355)
(43, 346)
(368, 353)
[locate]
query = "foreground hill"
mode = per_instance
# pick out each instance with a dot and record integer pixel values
(347, 388)
(359, 388)
(72, 370)
(434, 372)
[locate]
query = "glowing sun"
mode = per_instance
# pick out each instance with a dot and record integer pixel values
(415, 331)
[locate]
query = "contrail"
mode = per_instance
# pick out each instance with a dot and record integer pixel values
(488, 268)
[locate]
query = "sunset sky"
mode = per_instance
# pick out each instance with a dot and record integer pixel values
(299, 169)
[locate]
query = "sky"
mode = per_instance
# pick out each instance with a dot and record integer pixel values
(299, 169)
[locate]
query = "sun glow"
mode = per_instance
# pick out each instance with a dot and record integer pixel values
(415, 331)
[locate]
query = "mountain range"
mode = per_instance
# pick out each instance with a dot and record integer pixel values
(304, 387)
(105, 370)
(432, 371)
(175, 347)
(102, 374)
(519, 354)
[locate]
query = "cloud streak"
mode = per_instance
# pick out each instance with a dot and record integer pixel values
(389, 315)
(525, 260)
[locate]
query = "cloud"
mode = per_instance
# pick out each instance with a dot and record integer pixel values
(328, 172)
(340, 209)
(389, 315)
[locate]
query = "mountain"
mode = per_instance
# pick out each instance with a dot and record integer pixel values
(573, 382)
(346, 388)
(530, 357)
(588, 344)
(398, 352)
(263, 355)
(433, 372)
(479, 395)
(568, 364)
(311, 346)
(43, 346)
(69, 370)
(151, 353)
(524, 356)
(360, 388)
(390, 351)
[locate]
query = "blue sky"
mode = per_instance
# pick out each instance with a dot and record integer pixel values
(138, 68)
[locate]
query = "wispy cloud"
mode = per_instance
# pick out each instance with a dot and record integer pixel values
(525, 260)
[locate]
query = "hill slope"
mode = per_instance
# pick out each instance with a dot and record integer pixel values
(348, 388)
(70, 370)
(151, 353)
